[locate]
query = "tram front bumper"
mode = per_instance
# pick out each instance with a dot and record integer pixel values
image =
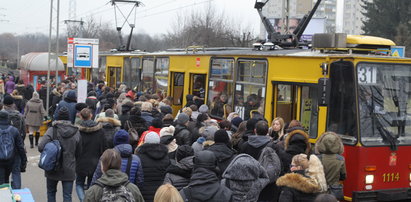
(383, 195)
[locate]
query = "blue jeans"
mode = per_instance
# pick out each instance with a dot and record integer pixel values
(15, 173)
(81, 186)
(52, 189)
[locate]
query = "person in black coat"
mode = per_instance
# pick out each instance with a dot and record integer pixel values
(155, 160)
(69, 102)
(204, 184)
(179, 173)
(92, 146)
(182, 134)
(28, 93)
(222, 150)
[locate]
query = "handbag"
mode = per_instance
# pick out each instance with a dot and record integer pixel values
(337, 191)
(133, 134)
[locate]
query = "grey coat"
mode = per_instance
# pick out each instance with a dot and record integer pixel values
(245, 177)
(69, 137)
(34, 112)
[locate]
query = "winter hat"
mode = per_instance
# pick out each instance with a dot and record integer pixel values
(184, 151)
(166, 109)
(109, 113)
(167, 131)
(209, 132)
(203, 108)
(152, 137)
(157, 123)
(121, 137)
(4, 117)
(35, 95)
(92, 93)
(183, 118)
(221, 136)
(80, 106)
(8, 100)
(236, 121)
(63, 114)
(205, 159)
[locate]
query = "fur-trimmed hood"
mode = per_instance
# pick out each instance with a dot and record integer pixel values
(297, 142)
(298, 182)
(89, 126)
(329, 143)
(110, 120)
(315, 171)
(56, 93)
(65, 128)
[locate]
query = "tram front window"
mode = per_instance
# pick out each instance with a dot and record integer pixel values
(384, 93)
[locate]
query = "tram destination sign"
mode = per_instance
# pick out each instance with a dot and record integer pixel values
(82, 53)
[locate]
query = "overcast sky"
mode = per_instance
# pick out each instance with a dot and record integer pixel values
(155, 17)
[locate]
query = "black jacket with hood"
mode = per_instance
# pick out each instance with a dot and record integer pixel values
(255, 145)
(154, 158)
(224, 155)
(92, 146)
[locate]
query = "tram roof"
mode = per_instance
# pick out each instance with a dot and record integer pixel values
(234, 51)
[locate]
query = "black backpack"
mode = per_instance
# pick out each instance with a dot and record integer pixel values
(116, 194)
(7, 144)
(16, 120)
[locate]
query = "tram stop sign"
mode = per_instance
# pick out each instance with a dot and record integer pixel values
(82, 53)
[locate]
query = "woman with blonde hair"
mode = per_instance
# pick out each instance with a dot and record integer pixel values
(276, 131)
(167, 193)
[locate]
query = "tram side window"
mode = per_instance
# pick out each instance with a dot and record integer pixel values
(135, 72)
(250, 88)
(341, 110)
(127, 71)
(161, 75)
(309, 112)
(147, 75)
(220, 96)
(178, 88)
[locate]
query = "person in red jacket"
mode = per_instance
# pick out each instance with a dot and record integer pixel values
(156, 126)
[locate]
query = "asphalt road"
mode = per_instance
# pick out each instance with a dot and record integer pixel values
(34, 178)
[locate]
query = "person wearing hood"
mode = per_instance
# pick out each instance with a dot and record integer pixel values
(10, 85)
(245, 177)
(167, 138)
(155, 127)
(112, 177)
(130, 163)
(154, 158)
(110, 126)
(182, 134)
(222, 150)
(21, 88)
(204, 184)
(56, 96)
(329, 149)
(120, 100)
(70, 103)
(92, 146)
(69, 138)
(296, 142)
(33, 114)
(19, 101)
(256, 143)
(298, 186)
(28, 93)
(179, 173)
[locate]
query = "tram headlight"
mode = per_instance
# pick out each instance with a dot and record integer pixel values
(369, 179)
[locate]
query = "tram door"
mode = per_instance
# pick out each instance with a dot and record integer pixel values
(177, 91)
(114, 77)
(197, 87)
(297, 102)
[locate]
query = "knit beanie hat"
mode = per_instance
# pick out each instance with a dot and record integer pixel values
(157, 123)
(4, 117)
(184, 151)
(121, 137)
(209, 132)
(166, 109)
(182, 118)
(236, 121)
(167, 131)
(203, 108)
(152, 137)
(63, 114)
(221, 136)
(8, 100)
(81, 106)
(205, 159)
(109, 113)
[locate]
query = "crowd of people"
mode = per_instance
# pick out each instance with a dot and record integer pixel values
(123, 145)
